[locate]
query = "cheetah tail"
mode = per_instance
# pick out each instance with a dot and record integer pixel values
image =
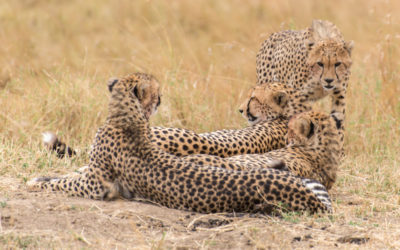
(320, 192)
(52, 143)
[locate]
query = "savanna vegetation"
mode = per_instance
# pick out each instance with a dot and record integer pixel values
(56, 57)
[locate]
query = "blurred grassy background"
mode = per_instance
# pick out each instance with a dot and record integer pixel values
(55, 58)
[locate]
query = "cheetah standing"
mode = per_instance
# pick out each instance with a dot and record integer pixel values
(315, 61)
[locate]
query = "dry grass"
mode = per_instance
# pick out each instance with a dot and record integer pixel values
(57, 55)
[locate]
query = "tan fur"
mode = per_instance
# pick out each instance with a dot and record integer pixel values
(322, 29)
(270, 101)
(315, 62)
(124, 161)
(148, 89)
(148, 92)
(312, 150)
(268, 134)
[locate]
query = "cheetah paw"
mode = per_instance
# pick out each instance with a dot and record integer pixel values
(36, 183)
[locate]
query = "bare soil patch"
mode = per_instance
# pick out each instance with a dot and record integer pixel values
(49, 220)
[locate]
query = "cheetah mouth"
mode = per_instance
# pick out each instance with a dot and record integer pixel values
(328, 87)
(290, 144)
(252, 119)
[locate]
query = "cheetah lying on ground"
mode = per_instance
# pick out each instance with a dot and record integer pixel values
(124, 162)
(312, 151)
(315, 61)
(315, 156)
(268, 110)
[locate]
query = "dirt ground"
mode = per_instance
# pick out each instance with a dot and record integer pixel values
(48, 220)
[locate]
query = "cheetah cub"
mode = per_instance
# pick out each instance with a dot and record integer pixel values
(124, 162)
(312, 149)
(148, 95)
(267, 109)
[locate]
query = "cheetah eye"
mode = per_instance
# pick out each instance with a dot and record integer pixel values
(338, 64)
(320, 64)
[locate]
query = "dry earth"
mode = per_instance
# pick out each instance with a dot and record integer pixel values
(48, 220)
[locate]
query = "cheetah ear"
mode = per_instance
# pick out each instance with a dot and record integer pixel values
(311, 130)
(349, 46)
(309, 44)
(322, 29)
(280, 98)
(111, 82)
(136, 92)
(140, 90)
(305, 127)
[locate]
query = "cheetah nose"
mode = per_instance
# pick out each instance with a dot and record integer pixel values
(241, 111)
(328, 80)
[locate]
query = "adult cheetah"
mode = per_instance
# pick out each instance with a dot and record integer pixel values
(124, 161)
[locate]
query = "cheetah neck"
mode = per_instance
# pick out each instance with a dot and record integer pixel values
(326, 151)
(296, 104)
(126, 116)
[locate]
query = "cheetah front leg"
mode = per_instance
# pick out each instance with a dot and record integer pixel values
(89, 184)
(338, 113)
(314, 92)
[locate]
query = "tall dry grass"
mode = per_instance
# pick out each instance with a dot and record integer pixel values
(55, 58)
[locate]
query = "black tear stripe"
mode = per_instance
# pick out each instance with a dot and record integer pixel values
(337, 121)
(322, 73)
(337, 76)
(248, 107)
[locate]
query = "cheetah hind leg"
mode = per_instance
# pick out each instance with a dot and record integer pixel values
(79, 185)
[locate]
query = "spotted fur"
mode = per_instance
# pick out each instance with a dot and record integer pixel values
(312, 150)
(271, 101)
(124, 162)
(315, 61)
(148, 91)
(271, 105)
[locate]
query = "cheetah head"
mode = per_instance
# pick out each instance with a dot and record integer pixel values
(147, 90)
(329, 56)
(264, 102)
(312, 129)
(270, 101)
(317, 132)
